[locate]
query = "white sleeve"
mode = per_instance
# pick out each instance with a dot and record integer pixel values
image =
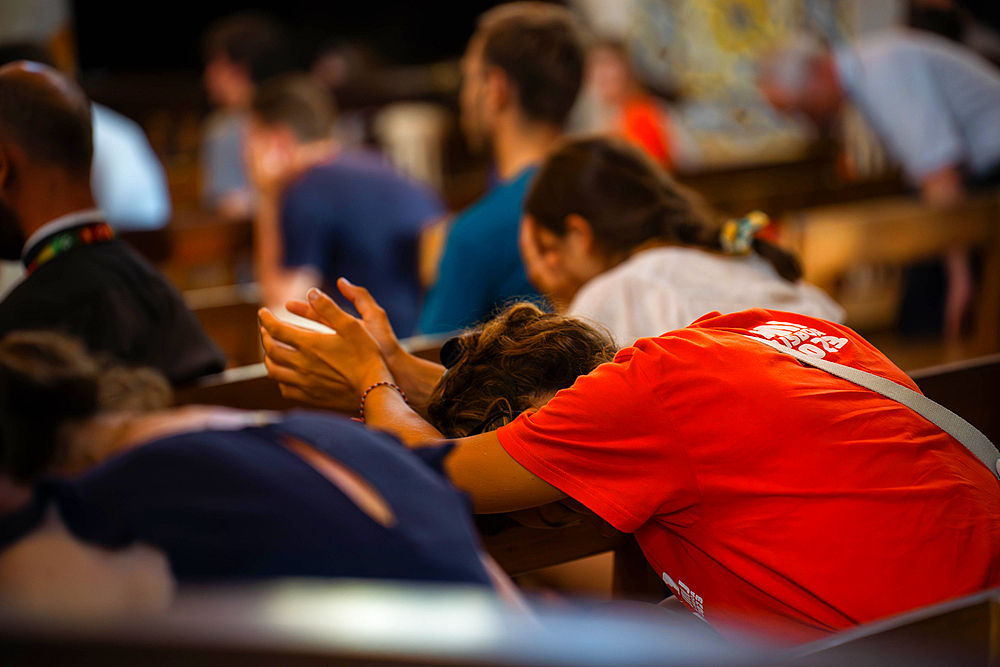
(912, 116)
(601, 302)
(129, 183)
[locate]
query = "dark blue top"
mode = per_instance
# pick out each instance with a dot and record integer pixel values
(238, 505)
(481, 269)
(359, 218)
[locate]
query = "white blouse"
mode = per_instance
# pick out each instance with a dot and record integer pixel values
(662, 289)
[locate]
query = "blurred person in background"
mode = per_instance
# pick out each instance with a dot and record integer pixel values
(934, 104)
(80, 279)
(127, 178)
(240, 51)
(109, 499)
(521, 75)
(325, 212)
(615, 101)
(609, 236)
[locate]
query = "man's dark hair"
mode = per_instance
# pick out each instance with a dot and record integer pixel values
(540, 50)
(297, 101)
(52, 124)
(251, 39)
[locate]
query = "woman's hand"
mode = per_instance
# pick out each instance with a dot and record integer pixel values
(373, 317)
(329, 370)
(270, 164)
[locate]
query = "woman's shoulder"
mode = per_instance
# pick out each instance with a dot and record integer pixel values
(660, 269)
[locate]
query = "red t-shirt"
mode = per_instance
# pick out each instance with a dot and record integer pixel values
(770, 495)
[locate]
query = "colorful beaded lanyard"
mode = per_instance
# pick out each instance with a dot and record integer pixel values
(95, 232)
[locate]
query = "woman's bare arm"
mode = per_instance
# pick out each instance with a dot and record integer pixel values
(479, 464)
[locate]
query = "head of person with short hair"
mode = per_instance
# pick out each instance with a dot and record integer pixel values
(46, 149)
(241, 51)
(597, 201)
(800, 77)
(523, 67)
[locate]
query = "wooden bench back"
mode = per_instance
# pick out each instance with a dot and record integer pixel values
(900, 231)
(971, 389)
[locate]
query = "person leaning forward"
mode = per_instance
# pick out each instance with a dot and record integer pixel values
(773, 498)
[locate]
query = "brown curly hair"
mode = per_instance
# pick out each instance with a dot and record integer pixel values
(507, 363)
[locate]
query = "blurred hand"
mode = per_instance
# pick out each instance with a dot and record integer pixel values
(329, 370)
(271, 164)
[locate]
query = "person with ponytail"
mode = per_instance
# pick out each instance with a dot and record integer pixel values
(108, 498)
(609, 236)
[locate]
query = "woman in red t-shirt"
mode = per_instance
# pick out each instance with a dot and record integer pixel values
(772, 497)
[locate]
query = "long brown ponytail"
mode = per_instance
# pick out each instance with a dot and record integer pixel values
(629, 200)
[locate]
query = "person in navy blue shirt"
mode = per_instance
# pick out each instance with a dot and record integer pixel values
(212, 495)
(326, 213)
(520, 77)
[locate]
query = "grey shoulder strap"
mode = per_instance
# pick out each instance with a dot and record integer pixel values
(948, 421)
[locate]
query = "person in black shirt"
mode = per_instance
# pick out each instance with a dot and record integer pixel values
(80, 279)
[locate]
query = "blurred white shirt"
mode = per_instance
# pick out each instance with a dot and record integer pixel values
(663, 289)
(933, 103)
(128, 181)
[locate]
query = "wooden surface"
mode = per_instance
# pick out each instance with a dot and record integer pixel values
(899, 231)
(229, 316)
(965, 631)
(784, 186)
(971, 389)
(206, 250)
(244, 388)
(520, 549)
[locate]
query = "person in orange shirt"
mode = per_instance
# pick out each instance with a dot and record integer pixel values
(622, 105)
(774, 498)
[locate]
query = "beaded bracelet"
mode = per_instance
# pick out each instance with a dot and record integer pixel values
(380, 384)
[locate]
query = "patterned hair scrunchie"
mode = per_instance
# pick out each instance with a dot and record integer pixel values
(737, 233)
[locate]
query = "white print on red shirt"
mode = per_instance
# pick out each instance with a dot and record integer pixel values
(692, 599)
(798, 337)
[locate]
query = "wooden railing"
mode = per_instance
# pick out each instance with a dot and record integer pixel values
(898, 231)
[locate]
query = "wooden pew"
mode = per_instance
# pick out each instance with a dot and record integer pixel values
(352, 623)
(971, 389)
(965, 631)
(779, 187)
(899, 231)
(249, 388)
(229, 315)
(206, 250)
